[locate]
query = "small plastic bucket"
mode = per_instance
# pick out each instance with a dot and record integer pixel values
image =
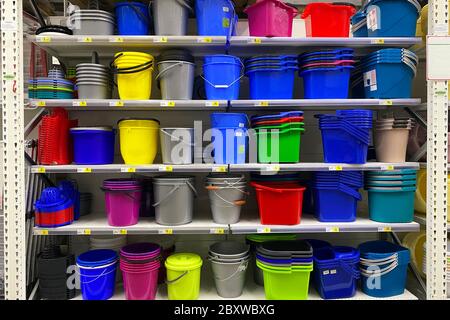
(133, 134)
(230, 277)
(215, 18)
(327, 199)
(171, 17)
(93, 145)
(133, 18)
(327, 83)
(183, 276)
(391, 205)
(177, 145)
(272, 83)
(391, 144)
(340, 146)
(176, 79)
(327, 20)
(222, 77)
(122, 205)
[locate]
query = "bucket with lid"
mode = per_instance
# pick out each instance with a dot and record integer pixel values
(171, 16)
(177, 145)
(222, 75)
(174, 199)
(93, 145)
(183, 276)
(133, 18)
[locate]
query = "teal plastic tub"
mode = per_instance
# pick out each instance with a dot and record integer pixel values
(391, 205)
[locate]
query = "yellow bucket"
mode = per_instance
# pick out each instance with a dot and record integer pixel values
(183, 276)
(414, 242)
(138, 140)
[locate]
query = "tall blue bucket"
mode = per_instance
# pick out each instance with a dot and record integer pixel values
(215, 18)
(222, 77)
(133, 18)
(230, 145)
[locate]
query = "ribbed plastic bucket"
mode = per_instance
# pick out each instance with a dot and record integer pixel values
(177, 145)
(93, 145)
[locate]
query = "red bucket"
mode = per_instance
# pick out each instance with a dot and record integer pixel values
(279, 203)
(327, 20)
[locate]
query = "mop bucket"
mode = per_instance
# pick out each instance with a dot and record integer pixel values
(177, 145)
(133, 18)
(230, 145)
(171, 17)
(215, 18)
(229, 120)
(123, 205)
(222, 74)
(97, 269)
(333, 82)
(138, 140)
(183, 276)
(271, 83)
(327, 20)
(174, 200)
(336, 204)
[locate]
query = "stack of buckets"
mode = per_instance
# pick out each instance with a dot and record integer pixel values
(222, 75)
(391, 139)
(271, 77)
(326, 74)
(97, 270)
(359, 25)
(230, 140)
(286, 266)
(384, 267)
(183, 276)
(122, 201)
(171, 141)
(93, 81)
(346, 136)
(134, 75)
(140, 264)
(388, 73)
(227, 194)
(53, 209)
(109, 242)
(55, 86)
(391, 195)
(279, 136)
(133, 18)
(336, 272)
(337, 189)
(229, 262)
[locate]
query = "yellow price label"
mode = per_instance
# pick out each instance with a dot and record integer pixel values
(161, 39)
(84, 232)
(220, 169)
(385, 229)
(335, 168)
(84, 170)
(333, 229)
(40, 170)
(41, 103)
(86, 40)
(377, 41)
(212, 103)
(263, 230)
(217, 231)
(256, 40)
(205, 40)
(44, 39)
(388, 167)
(263, 104)
(272, 168)
(128, 170)
(79, 104)
(386, 102)
(120, 231)
(166, 168)
(167, 103)
(117, 39)
(41, 232)
(166, 231)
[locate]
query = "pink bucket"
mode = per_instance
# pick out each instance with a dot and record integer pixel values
(270, 18)
(122, 206)
(140, 285)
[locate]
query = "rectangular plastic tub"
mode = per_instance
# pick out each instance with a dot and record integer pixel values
(289, 142)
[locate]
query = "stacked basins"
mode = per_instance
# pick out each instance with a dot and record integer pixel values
(227, 194)
(346, 136)
(91, 22)
(389, 73)
(54, 86)
(286, 266)
(326, 74)
(391, 139)
(336, 272)
(140, 264)
(391, 195)
(53, 209)
(287, 128)
(94, 81)
(337, 189)
(229, 261)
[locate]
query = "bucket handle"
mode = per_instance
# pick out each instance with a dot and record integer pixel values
(135, 69)
(104, 273)
(236, 203)
(186, 5)
(379, 273)
(176, 138)
(226, 86)
(242, 267)
(139, 13)
(368, 262)
(177, 278)
(168, 69)
(173, 190)
(122, 257)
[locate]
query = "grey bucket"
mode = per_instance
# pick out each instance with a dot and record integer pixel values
(91, 23)
(171, 17)
(229, 250)
(173, 139)
(226, 200)
(174, 200)
(176, 79)
(93, 90)
(229, 277)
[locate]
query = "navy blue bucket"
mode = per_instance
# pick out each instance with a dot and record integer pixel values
(133, 18)
(93, 145)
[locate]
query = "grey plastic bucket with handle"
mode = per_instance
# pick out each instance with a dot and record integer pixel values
(229, 277)
(171, 17)
(176, 79)
(177, 145)
(174, 200)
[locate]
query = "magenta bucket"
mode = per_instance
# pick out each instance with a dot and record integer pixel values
(122, 201)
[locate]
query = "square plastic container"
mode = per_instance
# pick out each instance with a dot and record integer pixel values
(272, 84)
(330, 83)
(334, 206)
(288, 145)
(327, 20)
(341, 147)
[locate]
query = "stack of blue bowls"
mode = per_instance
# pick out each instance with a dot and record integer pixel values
(346, 136)
(389, 73)
(337, 189)
(54, 86)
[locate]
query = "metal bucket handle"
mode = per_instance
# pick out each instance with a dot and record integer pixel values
(236, 203)
(172, 191)
(104, 273)
(368, 262)
(177, 278)
(226, 86)
(139, 13)
(244, 264)
(177, 139)
(169, 68)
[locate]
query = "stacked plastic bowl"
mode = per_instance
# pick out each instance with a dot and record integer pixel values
(389, 73)
(55, 86)
(391, 195)
(140, 264)
(91, 22)
(94, 81)
(346, 136)
(271, 77)
(53, 209)
(286, 266)
(229, 262)
(326, 74)
(391, 139)
(287, 127)
(337, 189)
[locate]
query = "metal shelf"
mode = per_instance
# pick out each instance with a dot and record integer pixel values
(422, 220)
(309, 224)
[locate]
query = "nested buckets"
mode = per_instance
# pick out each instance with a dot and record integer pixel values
(183, 276)
(229, 262)
(171, 16)
(391, 139)
(177, 145)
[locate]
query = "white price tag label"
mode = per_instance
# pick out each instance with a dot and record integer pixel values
(220, 169)
(385, 229)
(271, 168)
(41, 232)
(84, 170)
(204, 40)
(386, 102)
(389, 167)
(84, 231)
(167, 103)
(212, 104)
(161, 39)
(116, 104)
(255, 40)
(79, 104)
(335, 168)
(116, 39)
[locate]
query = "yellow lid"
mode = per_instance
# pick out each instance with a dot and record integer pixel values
(183, 262)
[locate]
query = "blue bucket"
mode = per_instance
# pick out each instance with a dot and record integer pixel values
(389, 263)
(230, 145)
(229, 120)
(326, 83)
(93, 146)
(394, 18)
(391, 205)
(327, 199)
(70, 190)
(97, 269)
(361, 31)
(222, 76)
(133, 18)
(340, 146)
(216, 18)
(269, 84)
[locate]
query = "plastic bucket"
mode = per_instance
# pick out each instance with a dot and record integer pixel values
(279, 146)
(327, 20)
(229, 250)
(133, 134)
(229, 277)
(230, 145)
(122, 206)
(177, 145)
(140, 284)
(93, 145)
(226, 201)
(390, 205)
(176, 79)
(415, 241)
(133, 18)
(174, 200)
(390, 145)
(275, 83)
(333, 83)
(171, 17)
(215, 18)
(183, 276)
(222, 77)
(228, 120)
(270, 18)
(327, 200)
(340, 146)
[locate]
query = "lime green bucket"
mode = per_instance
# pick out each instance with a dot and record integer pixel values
(289, 139)
(286, 283)
(183, 276)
